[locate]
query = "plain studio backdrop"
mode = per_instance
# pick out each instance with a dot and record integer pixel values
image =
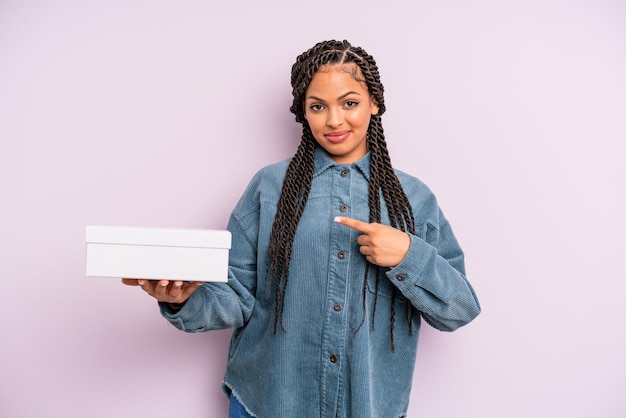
(158, 113)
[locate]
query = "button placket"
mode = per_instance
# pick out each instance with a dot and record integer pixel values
(334, 341)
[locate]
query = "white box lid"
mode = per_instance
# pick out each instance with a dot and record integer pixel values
(174, 237)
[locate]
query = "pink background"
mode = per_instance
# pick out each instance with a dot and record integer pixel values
(157, 113)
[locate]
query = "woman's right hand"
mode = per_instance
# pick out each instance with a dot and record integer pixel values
(168, 291)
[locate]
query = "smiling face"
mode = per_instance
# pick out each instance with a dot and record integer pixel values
(338, 108)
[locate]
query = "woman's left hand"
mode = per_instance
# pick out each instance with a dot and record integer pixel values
(382, 245)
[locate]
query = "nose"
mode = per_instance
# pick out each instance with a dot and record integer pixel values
(334, 118)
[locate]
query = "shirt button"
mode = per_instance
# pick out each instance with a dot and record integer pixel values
(337, 307)
(333, 358)
(341, 255)
(400, 277)
(344, 173)
(343, 208)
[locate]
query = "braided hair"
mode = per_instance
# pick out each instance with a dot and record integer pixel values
(297, 183)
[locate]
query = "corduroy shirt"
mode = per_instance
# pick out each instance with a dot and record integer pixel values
(334, 358)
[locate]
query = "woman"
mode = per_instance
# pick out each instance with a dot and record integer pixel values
(335, 258)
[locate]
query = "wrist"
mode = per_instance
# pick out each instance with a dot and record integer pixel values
(175, 306)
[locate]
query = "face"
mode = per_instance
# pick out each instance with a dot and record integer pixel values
(338, 109)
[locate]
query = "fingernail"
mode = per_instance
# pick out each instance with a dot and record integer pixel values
(338, 219)
(163, 283)
(140, 282)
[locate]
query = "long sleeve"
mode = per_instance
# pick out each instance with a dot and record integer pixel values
(222, 305)
(432, 278)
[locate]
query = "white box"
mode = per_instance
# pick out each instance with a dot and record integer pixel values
(154, 253)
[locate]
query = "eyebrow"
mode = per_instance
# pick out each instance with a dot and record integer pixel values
(338, 98)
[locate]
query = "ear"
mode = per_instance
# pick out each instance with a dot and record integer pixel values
(373, 105)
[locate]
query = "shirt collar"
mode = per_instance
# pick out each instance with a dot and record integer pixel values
(323, 162)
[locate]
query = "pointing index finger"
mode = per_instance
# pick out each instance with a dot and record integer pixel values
(353, 223)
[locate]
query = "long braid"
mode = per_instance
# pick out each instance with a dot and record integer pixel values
(293, 198)
(297, 184)
(383, 178)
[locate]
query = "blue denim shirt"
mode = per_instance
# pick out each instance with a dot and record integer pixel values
(334, 359)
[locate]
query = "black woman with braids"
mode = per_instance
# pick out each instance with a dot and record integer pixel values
(336, 258)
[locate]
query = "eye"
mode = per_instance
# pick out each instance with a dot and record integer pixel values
(351, 103)
(316, 107)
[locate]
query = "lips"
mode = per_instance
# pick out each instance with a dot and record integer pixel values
(336, 137)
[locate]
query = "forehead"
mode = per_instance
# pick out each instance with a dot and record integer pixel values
(348, 67)
(337, 78)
